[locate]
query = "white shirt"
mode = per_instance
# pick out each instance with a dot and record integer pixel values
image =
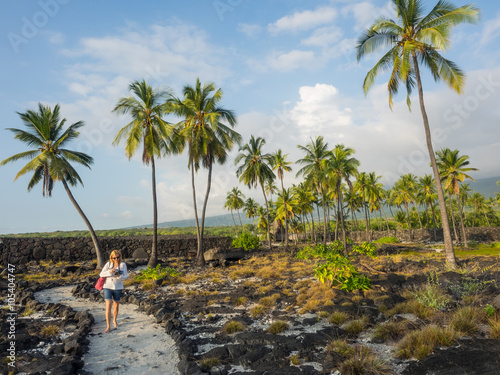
(114, 282)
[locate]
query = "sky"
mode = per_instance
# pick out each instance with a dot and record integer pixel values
(287, 68)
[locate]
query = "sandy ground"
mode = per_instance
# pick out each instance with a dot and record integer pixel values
(137, 346)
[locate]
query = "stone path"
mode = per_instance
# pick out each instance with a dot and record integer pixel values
(137, 346)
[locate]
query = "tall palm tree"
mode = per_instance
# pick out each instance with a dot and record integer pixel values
(452, 170)
(270, 189)
(342, 166)
(403, 192)
(281, 165)
(255, 170)
(50, 160)
(418, 37)
(427, 194)
(209, 140)
(146, 108)
(286, 207)
(315, 169)
(305, 198)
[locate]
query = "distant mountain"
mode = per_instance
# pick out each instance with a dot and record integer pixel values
(212, 221)
(486, 186)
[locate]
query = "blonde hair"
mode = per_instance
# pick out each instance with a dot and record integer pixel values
(116, 253)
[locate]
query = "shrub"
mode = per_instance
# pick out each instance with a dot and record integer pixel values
(156, 273)
(466, 320)
(419, 344)
(246, 241)
(233, 326)
(432, 295)
(207, 363)
(338, 317)
(295, 360)
(240, 301)
(387, 240)
(257, 311)
(49, 330)
(354, 326)
(363, 361)
(277, 327)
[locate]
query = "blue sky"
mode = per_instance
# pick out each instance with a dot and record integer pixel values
(287, 68)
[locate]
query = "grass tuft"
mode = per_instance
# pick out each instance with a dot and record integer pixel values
(277, 327)
(233, 326)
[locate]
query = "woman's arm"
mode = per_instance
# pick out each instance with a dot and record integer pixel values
(124, 270)
(106, 271)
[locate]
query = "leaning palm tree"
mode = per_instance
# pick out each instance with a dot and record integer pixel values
(146, 108)
(452, 169)
(281, 165)
(209, 139)
(418, 39)
(50, 160)
(255, 170)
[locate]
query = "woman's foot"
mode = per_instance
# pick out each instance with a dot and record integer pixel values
(115, 323)
(107, 330)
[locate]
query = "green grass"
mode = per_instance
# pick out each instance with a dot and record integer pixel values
(277, 327)
(233, 326)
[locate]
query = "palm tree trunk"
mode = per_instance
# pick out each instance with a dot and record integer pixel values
(324, 216)
(340, 210)
(100, 259)
(239, 217)
(286, 214)
(200, 261)
(466, 245)
(313, 233)
(448, 244)
(154, 250)
(234, 222)
(194, 203)
(453, 221)
(267, 217)
(408, 221)
(418, 215)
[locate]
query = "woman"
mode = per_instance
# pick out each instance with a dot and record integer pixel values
(115, 271)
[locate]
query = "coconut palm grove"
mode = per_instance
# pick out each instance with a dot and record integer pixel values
(312, 203)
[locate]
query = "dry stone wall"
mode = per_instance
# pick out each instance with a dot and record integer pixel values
(480, 234)
(18, 250)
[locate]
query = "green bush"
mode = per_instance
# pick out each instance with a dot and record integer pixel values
(156, 273)
(387, 240)
(246, 241)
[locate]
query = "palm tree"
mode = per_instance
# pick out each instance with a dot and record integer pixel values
(427, 194)
(147, 108)
(255, 170)
(418, 37)
(403, 192)
(49, 160)
(281, 165)
(286, 207)
(270, 189)
(208, 139)
(305, 199)
(234, 201)
(342, 167)
(315, 169)
(251, 208)
(452, 170)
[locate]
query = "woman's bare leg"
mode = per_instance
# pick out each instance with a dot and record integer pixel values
(115, 312)
(108, 315)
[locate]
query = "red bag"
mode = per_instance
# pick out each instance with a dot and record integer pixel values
(100, 283)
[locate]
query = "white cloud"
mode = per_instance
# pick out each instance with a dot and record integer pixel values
(126, 215)
(365, 13)
(291, 60)
(324, 36)
(490, 31)
(305, 20)
(251, 30)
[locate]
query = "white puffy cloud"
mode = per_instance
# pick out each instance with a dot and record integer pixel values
(291, 60)
(304, 20)
(323, 36)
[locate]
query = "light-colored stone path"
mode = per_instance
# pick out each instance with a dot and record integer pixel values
(137, 346)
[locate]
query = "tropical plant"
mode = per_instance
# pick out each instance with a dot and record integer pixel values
(246, 241)
(251, 208)
(234, 201)
(209, 140)
(50, 161)
(281, 165)
(418, 37)
(155, 273)
(452, 170)
(148, 128)
(315, 170)
(342, 166)
(255, 170)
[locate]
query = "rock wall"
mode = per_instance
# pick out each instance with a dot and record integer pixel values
(17, 250)
(480, 234)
